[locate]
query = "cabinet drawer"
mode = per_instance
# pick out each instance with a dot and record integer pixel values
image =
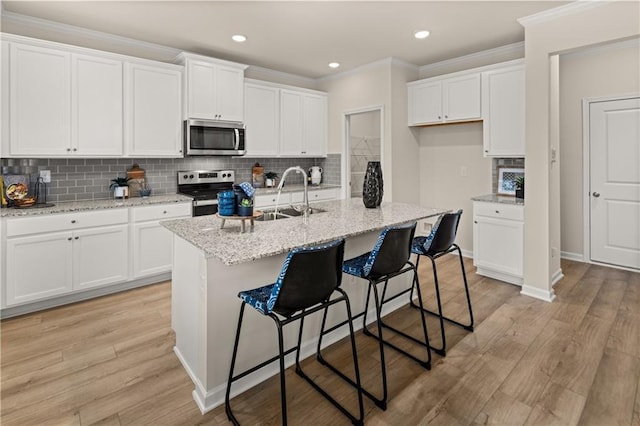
(498, 210)
(161, 212)
(269, 200)
(315, 195)
(66, 221)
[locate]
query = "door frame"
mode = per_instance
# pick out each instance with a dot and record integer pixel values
(586, 173)
(346, 158)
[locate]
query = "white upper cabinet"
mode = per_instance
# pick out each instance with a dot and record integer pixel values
(441, 100)
(283, 121)
(303, 124)
(503, 106)
(97, 106)
(262, 119)
(214, 88)
(154, 123)
(39, 101)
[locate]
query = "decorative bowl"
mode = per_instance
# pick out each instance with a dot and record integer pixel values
(25, 202)
(145, 192)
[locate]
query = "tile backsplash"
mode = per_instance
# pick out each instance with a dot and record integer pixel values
(503, 162)
(88, 179)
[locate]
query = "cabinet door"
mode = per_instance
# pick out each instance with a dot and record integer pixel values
(154, 119)
(40, 101)
(100, 256)
(38, 267)
(262, 120)
(152, 249)
(503, 104)
(96, 85)
(498, 245)
(315, 126)
(291, 124)
(425, 103)
(229, 93)
(201, 77)
(461, 98)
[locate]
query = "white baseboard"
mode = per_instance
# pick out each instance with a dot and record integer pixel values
(538, 293)
(557, 276)
(576, 257)
(501, 276)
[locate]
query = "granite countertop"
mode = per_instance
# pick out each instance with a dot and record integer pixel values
(498, 198)
(294, 188)
(343, 218)
(77, 206)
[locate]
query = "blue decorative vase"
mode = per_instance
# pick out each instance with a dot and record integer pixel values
(372, 188)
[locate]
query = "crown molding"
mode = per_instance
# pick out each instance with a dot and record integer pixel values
(268, 74)
(463, 61)
(557, 12)
(606, 47)
(30, 22)
(371, 65)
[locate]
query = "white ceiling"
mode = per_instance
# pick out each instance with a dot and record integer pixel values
(292, 36)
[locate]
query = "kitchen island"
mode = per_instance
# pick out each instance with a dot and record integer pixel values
(211, 265)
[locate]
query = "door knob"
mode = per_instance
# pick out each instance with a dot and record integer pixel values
(596, 194)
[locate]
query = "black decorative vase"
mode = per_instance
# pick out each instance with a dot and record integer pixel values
(520, 193)
(372, 189)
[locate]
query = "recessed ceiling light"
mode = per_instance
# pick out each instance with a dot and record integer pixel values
(421, 34)
(239, 38)
(334, 64)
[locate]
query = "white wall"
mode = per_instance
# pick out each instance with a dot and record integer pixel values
(444, 150)
(591, 73)
(583, 24)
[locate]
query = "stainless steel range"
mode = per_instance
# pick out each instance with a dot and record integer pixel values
(203, 186)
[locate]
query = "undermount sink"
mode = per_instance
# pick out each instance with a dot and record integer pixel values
(285, 214)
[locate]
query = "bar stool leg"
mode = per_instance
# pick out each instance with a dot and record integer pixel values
(283, 391)
(468, 327)
(230, 415)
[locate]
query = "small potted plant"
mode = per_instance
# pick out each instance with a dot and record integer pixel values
(120, 186)
(270, 179)
(245, 208)
(519, 187)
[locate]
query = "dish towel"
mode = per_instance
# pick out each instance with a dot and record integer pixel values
(248, 189)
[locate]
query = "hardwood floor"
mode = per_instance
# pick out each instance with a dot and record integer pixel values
(109, 361)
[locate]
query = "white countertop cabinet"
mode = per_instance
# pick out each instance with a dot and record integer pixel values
(503, 103)
(42, 262)
(214, 88)
(283, 121)
(444, 99)
(154, 99)
(498, 241)
(262, 119)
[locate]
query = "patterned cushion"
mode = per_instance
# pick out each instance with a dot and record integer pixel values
(263, 299)
(258, 298)
(355, 266)
(421, 244)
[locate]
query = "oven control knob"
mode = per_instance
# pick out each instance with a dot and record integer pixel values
(224, 175)
(190, 176)
(185, 176)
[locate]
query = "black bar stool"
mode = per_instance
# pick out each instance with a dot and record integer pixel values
(389, 258)
(306, 283)
(439, 242)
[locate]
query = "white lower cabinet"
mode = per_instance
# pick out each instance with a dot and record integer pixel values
(295, 197)
(498, 241)
(152, 242)
(56, 263)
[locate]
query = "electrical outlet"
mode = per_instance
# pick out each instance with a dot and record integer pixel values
(464, 172)
(554, 252)
(45, 175)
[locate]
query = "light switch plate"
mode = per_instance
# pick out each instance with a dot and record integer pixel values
(45, 175)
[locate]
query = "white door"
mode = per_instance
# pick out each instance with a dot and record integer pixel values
(425, 103)
(229, 93)
(315, 125)
(291, 116)
(461, 98)
(262, 118)
(100, 256)
(614, 134)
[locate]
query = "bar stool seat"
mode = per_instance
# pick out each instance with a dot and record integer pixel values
(439, 242)
(388, 258)
(308, 282)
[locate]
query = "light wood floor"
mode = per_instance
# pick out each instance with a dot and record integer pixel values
(109, 361)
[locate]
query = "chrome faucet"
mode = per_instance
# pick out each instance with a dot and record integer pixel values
(300, 170)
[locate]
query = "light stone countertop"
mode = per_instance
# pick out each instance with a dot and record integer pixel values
(294, 188)
(343, 218)
(497, 198)
(78, 206)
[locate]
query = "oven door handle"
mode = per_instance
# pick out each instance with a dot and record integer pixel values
(237, 135)
(198, 203)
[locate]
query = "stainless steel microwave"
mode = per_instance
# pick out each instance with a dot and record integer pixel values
(213, 137)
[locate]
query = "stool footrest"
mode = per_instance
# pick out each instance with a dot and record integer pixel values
(468, 327)
(425, 364)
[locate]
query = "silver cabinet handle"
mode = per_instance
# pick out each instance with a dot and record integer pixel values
(76, 238)
(596, 194)
(73, 221)
(498, 211)
(69, 239)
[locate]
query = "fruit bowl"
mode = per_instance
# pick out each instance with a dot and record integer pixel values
(25, 202)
